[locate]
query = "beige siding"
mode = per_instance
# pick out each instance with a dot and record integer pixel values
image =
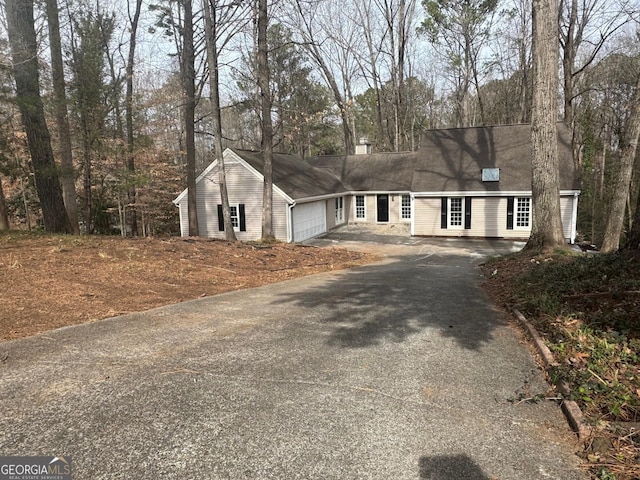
(349, 201)
(243, 187)
(394, 208)
(427, 217)
(184, 218)
(488, 219)
(566, 208)
(279, 219)
(372, 213)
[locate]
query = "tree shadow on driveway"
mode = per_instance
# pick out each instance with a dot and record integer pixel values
(450, 467)
(391, 301)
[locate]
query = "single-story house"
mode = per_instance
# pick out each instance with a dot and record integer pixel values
(472, 182)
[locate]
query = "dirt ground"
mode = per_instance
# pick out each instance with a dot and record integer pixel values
(53, 281)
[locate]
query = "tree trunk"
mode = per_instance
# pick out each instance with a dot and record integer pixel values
(597, 203)
(615, 220)
(67, 173)
(22, 37)
(188, 78)
(87, 181)
(131, 165)
(568, 62)
(546, 228)
(633, 239)
(267, 129)
(4, 216)
(211, 29)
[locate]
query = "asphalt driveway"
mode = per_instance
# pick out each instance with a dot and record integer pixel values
(396, 370)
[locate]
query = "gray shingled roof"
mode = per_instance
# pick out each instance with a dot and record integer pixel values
(294, 175)
(452, 160)
(387, 172)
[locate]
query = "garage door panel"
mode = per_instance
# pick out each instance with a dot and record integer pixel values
(309, 220)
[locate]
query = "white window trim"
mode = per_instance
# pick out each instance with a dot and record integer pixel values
(406, 219)
(449, 212)
(355, 208)
(237, 215)
(515, 213)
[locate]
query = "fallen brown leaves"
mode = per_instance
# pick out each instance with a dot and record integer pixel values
(53, 281)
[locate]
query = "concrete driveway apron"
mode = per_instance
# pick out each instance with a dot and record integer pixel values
(396, 370)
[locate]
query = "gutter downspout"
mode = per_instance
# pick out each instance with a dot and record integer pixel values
(290, 222)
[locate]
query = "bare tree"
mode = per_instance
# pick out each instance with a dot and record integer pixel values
(512, 60)
(546, 228)
(67, 172)
(461, 28)
(585, 28)
(131, 163)
(370, 69)
(322, 43)
(22, 38)
(615, 220)
(267, 128)
(188, 82)
(391, 48)
(211, 36)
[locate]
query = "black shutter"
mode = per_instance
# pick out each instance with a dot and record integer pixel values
(220, 219)
(443, 213)
(243, 222)
(510, 201)
(467, 213)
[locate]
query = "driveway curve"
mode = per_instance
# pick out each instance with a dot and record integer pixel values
(396, 370)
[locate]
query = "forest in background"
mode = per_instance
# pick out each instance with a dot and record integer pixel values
(114, 73)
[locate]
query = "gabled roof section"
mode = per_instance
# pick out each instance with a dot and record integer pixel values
(294, 176)
(387, 172)
(453, 159)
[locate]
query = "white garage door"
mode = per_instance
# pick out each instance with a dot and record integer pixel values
(309, 220)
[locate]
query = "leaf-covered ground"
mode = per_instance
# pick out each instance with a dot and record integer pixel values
(54, 281)
(587, 308)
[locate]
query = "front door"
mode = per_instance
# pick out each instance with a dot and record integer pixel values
(383, 208)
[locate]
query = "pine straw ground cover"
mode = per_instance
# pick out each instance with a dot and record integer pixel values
(587, 308)
(52, 281)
